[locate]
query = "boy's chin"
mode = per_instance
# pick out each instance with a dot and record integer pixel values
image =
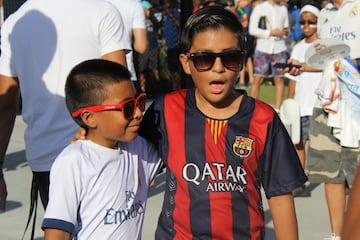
(129, 137)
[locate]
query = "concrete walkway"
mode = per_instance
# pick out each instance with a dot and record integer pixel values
(311, 212)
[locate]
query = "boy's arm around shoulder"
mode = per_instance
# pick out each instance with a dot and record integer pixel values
(150, 156)
(151, 123)
(283, 213)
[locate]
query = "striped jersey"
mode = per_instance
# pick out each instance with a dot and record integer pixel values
(216, 167)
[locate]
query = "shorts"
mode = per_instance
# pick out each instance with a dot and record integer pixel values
(173, 61)
(327, 161)
(149, 60)
(263, 63)
(305, 125)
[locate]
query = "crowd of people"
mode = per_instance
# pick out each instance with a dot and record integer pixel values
(219, 144)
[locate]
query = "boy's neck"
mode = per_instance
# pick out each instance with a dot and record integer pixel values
(311, 38)
(272, 2)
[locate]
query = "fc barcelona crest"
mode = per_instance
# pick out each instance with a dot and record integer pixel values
(242, 146)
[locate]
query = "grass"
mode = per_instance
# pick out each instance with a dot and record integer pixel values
(267, 93)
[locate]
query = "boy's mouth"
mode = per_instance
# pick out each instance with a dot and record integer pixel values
(217, 86)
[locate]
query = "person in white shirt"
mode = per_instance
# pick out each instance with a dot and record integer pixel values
(99, 186)
(133, 16)
(40, 43)
(302, 88)
(269, 23)
(329, 160)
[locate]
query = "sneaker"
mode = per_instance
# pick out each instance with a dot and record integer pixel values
(333, 237)
(301, 192)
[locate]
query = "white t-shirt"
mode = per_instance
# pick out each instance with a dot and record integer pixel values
(40, 43)
(276, 17)
(133, 16)
(306, 83)
(343, 24)
(101, 193)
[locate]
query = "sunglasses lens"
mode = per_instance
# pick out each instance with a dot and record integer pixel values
(232, 60)
(308, 22)
(203, 61)
(129, 109)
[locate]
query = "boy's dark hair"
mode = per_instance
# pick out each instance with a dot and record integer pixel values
(86, 83)
(210, 18)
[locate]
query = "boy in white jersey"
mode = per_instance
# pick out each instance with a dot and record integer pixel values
(302, 88)
(99, 186)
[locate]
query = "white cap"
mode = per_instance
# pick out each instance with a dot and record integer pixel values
(310, 8)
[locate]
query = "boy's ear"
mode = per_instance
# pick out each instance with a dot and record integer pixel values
(185, 62)
(88, 118)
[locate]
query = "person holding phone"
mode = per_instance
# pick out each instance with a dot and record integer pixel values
(302, 88)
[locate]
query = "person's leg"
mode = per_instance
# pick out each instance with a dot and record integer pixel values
(143, 60)
(156, 74)
(242, 77)
(279, 91)
(255, 87)
(142, 81)
(300, 149)
(153, 63)
(336, 200)
(43, 182)
(278, 77)
(261, 69)
(250, 70)
(174, 67)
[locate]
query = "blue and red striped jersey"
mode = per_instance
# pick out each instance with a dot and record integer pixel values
(216, 167)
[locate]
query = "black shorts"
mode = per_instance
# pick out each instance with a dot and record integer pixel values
(149, 60)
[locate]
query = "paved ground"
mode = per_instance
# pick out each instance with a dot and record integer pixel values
(312, 212)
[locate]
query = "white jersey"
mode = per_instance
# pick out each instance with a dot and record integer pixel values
(40, 43)
(101, 193)
(342, 24)
(306, 83)
(133, 16)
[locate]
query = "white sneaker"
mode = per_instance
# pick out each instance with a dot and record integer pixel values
(333, 237)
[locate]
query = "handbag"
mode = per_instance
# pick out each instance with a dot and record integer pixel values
(262, 23)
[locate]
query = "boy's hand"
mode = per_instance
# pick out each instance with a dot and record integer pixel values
(79, 135)
(294, 70)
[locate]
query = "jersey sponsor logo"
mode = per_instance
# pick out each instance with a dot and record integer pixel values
(354, 11)
(220, 176)
(118, 216)
(242, 146)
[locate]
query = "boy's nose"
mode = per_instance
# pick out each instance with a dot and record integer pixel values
(218, 65)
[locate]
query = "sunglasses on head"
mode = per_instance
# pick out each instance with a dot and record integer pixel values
(308, 22)
(127, 107)
(204, 61)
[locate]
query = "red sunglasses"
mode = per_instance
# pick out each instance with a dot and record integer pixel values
(127, 107)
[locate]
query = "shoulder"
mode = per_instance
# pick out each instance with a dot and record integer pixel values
(263, 111)
(72, 154)
(140, 147)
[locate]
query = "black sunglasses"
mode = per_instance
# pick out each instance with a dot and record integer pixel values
(308, 22)
(204, 61)
(127, 107)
